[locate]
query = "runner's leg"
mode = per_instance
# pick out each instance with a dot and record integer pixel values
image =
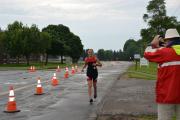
(95, 88)
(90, 88)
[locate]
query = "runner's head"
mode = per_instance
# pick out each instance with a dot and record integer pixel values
(90, 52)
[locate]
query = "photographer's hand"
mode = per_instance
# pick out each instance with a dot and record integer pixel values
(155, 42)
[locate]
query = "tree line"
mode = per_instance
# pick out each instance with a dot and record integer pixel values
(111, 55)
(108, 55)
(157, 21)
(19, 41)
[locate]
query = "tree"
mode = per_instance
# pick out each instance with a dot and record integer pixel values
(45, 41)
(101, 54)
(64, 42)
(109, 55)
(158, 21)
(75, 47)
(127, 43)
(130, 48)
(122, 56)
(3, 49)
(115, 55)
(58, 35)
(84, 54)
(14, 39)
(31, 44)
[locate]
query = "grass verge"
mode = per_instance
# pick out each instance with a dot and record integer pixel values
(143, 72)
(127, 117)
(38, 66)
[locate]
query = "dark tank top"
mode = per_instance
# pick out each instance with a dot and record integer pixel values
(91, 69)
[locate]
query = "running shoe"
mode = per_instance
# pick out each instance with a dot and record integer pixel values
(95, 96)
(91, 100)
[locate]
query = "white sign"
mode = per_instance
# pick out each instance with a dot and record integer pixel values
(144, 62)
(137, 56)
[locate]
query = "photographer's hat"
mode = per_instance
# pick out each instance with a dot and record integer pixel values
(171, 33)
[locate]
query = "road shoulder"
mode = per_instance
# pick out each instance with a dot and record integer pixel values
(128, 97)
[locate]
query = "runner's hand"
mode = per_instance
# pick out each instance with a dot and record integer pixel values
(94, 64)
(155, 42)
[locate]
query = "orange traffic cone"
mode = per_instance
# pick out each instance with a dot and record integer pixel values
(66, 75)
(72, 70)
(11, 105)
(54, 80)
(58, 69)
(30, 69)
(33, 69)
(39, 89)
(76, 68)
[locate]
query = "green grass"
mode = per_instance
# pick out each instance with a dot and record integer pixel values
(150, 117)
(139, 117)
(147, 117)
(38, 66)
(143, 72)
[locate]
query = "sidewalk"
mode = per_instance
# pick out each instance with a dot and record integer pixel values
(128, 97)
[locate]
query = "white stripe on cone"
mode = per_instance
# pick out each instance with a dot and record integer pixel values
(54, 77)
(11, 99)
(39, 83)
(11, 93)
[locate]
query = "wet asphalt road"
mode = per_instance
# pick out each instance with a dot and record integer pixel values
(67, 101)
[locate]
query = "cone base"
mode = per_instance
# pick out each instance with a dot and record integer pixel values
(66, 76)
(39, 93)
(54, 84)
(12, 111)
(58, 70)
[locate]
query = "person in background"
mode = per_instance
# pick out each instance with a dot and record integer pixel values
(166, 53)
(91, 62)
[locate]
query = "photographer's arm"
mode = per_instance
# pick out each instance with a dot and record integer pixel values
(155, 42)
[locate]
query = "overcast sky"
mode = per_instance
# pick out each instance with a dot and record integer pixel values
(103, 24)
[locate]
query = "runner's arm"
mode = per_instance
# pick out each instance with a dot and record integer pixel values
(85, 65)
(98, 63)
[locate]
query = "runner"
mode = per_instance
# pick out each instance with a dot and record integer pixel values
(91, 62)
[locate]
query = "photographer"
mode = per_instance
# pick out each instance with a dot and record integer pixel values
(166, 53)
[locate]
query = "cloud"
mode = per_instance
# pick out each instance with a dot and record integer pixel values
(70, 9)
(172, 3)
(95, 21)
(173, 8)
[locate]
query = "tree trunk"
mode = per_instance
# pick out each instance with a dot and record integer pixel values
(27, 59)
(61, 59)
(7, 59)
(17, 59)
(74, 60)
(46, 62)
